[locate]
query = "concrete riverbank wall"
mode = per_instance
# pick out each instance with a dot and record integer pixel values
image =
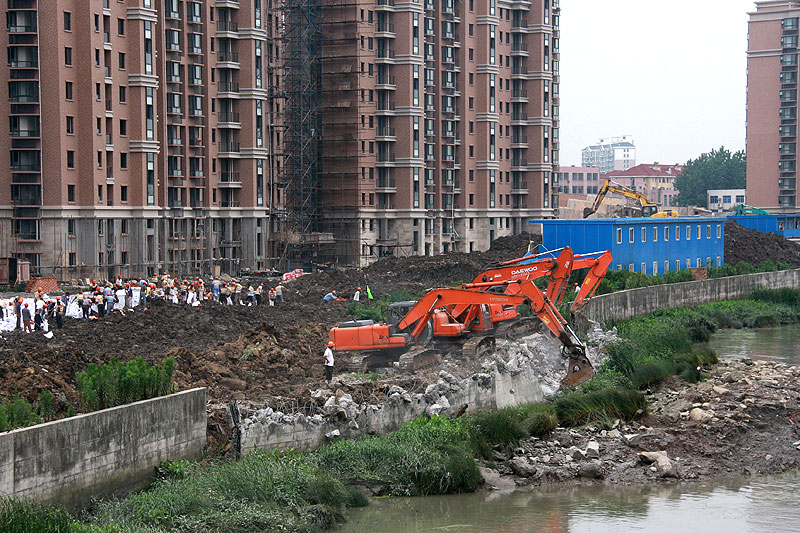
(110, 452)
(624, 305)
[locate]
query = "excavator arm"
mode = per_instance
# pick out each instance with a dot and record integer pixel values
(419, 315)
(648, 208)
(598, 266)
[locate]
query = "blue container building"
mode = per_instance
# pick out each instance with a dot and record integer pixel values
(647, 245)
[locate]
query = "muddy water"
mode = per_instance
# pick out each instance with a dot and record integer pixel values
(773, 344)
(768, 505)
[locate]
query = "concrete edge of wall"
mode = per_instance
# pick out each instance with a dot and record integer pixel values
(106, 453)
(624, 305)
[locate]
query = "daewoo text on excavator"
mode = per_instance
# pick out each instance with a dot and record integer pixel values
(648, 208)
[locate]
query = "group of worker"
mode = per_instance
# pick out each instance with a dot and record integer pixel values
(36, 318)
(332, 296)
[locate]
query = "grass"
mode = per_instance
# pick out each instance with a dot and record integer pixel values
(116, 383)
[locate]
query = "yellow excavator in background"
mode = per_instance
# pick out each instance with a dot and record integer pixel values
(648, 208)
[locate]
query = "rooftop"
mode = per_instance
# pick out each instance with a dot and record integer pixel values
(647, 170)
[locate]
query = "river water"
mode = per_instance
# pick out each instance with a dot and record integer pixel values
(757, 505)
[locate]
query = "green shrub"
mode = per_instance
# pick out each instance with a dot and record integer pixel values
(116, 383)
(18, 413)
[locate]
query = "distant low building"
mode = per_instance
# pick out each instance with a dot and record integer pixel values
(578, 180)
(609, 154)
(655, 181)
(723, 199)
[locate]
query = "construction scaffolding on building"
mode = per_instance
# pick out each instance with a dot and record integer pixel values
(302, 238)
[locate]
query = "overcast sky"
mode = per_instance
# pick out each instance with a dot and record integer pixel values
(670, 73)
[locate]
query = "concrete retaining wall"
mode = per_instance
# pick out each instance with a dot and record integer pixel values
(498, 385)
(104, 453)
(623, 305)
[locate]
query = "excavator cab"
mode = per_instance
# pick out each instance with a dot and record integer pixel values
(649, 210)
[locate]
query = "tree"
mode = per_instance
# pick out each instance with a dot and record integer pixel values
(717, 169)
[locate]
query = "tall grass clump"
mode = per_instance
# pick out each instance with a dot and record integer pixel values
(265, 491)
(599, 407)
(17, 412)
(25, 516)
(426, 456)
(116, 383)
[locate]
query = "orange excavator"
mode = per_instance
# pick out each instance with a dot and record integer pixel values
(412, 326)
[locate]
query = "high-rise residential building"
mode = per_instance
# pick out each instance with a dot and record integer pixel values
(614, 153)
(140, 135)
(772, 104)
(440, 123)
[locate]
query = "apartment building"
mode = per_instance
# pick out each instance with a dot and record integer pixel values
(578, 181)
(610, 154)
(140, 135)
(440, 121)
(772, 104)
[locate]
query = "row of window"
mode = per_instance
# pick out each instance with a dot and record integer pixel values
(726, 199)
(644, 231)
(654, 269)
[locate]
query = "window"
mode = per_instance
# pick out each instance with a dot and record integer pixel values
(123, 126)
(619, 235)
(631, 235)
(699, 233)
(677, 233)
(70, 125)
(655, 234)
(655, 268)
(688, 263)
(666, 267)
(123, 94)
(677, 264)
(122, 60)
(71, 226)
(666, 233)
(719, 231)
(644, 268)
(630, 267)
(644, 234)
(123, 193)
(698, 263)
(120, 27)
(708, 231)
(719, 262)
(67, 21)
(67, 56)
(70, 159)
(123, 160)
(688, 233)
(68, 90)
(70, 193)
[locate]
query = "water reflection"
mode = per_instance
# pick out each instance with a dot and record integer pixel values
(772, 344)
(768, 505)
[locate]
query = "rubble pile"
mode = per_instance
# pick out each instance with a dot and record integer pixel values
(744, 419)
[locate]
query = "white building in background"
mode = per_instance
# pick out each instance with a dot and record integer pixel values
(610, 154)
(724, 199)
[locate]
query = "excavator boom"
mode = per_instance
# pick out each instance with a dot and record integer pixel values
(598, 266)
(649, 209)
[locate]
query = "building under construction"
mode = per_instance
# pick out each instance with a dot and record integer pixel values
(191, 137)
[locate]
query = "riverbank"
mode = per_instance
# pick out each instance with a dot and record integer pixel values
(743, 419)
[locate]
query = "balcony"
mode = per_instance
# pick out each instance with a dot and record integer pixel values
(520, 141)
(519, 49)
(227, 26)
(385, 134)
(23, 63)
(519, 70)
(519, 116)
(386, 82)
(385, 29)
(519, 95)
(519, 187)
(384, 106)
(228, 87)
(229, 147)
(21, 27)
(230, 180)
(519, 163)
(229, 203)
(25, 132)
(195, 51)
(232, 4)
(26, 167)
(519, 24)
(228, 59)
(385, 54)
(175, 141)
(387, 157)
(386, 185)
(228, 119)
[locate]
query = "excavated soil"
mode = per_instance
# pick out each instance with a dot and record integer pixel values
(755, 247)
(237, 352)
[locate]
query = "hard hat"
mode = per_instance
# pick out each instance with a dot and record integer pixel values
(358, 289)
(333, 292)
(26, 305)
(576, 284)
(330, 343)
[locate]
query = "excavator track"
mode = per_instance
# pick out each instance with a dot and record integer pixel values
(368, 361)
(477, 347)
(520, 328)
(420, 358)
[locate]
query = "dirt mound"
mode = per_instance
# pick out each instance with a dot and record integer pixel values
(755, 247)
(235, 351)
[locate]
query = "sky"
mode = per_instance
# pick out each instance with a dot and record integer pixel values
(673, 74)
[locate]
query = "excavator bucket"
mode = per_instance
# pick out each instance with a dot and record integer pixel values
(587, 211)
(580, 370)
